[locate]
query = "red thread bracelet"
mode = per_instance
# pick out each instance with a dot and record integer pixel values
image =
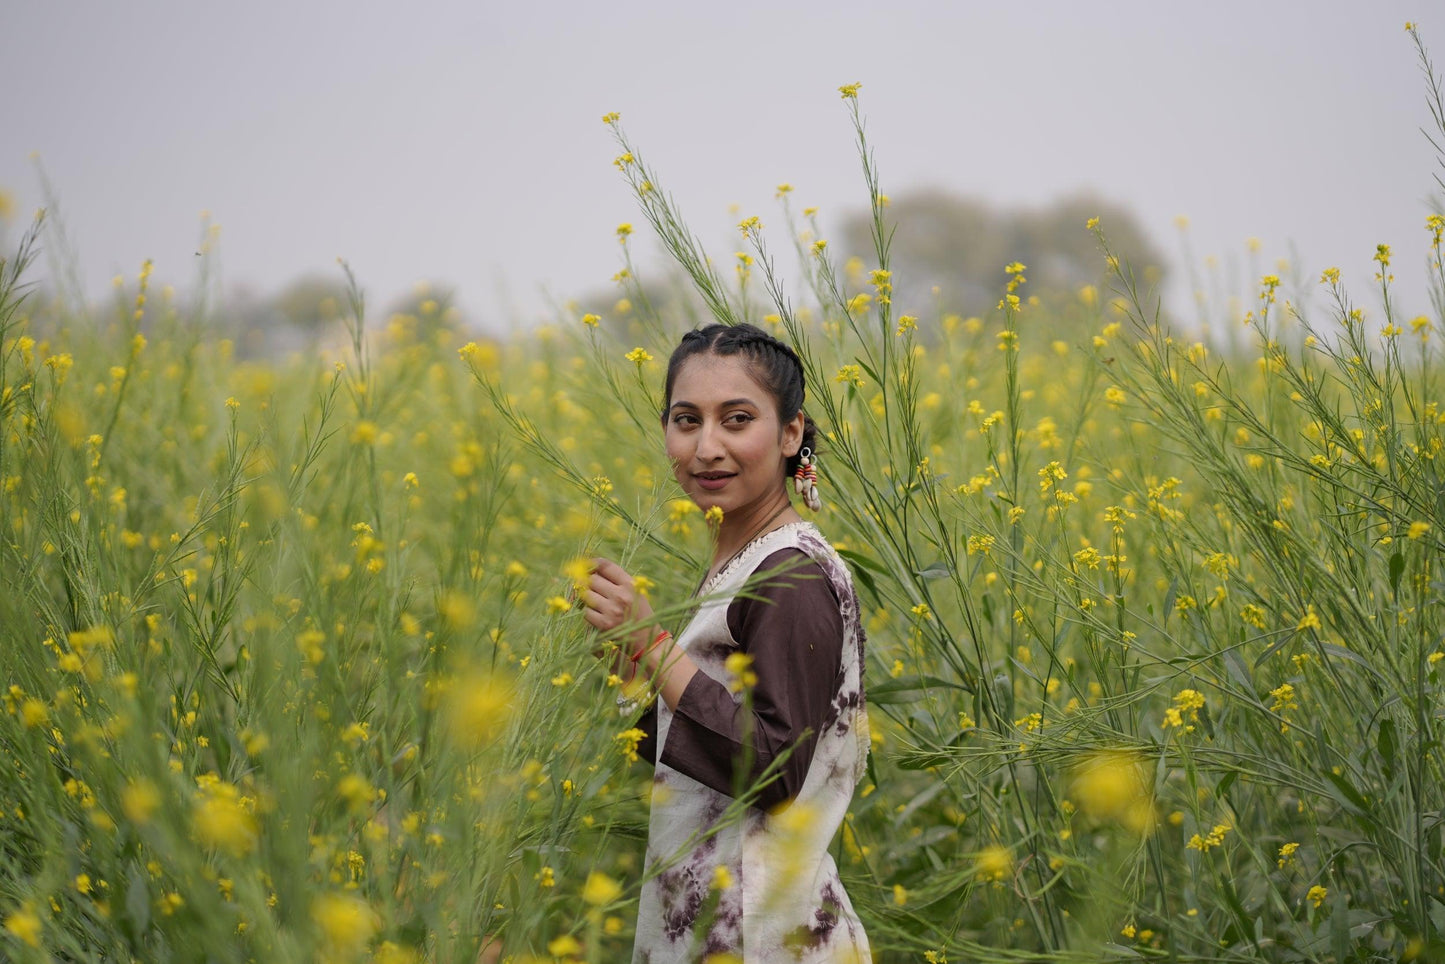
(643, 652)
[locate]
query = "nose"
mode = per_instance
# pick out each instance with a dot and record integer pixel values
(709, 442)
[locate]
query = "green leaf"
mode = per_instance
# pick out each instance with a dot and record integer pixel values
(1331, 649)
(866, 579)
(1348, 795)
(1386, 745)
(861, 566)
(905, 689)
(1231, 899)
(869, 369)
(1339, 924)
(862, 561)
(1397, 569)
(935, 570)
(922, 760)
(1238, 671)
(1284, 637)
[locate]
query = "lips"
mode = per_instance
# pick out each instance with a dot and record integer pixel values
(712, 481)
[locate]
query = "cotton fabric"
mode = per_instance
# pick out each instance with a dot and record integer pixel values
(785, 901)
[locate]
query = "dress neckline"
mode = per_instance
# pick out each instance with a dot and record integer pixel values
(710, 581)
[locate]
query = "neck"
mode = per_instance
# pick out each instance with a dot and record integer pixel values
(743, 525)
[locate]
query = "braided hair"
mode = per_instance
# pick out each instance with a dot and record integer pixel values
(774, 364)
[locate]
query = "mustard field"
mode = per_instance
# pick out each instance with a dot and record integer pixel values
(292, 671)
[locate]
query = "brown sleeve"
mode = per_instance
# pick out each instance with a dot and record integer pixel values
(794, 632)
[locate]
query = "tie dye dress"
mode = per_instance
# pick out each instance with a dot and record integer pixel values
(788, 602)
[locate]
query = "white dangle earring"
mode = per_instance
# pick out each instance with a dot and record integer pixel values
(805, 479)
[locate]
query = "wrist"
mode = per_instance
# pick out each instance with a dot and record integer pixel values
(658, 640)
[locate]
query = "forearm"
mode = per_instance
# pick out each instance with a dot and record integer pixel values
(669, 669)
(725, 744)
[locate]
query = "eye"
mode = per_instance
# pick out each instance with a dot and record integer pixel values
(684, 419)
(738, 419)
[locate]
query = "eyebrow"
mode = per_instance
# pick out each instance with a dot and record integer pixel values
(727, 404)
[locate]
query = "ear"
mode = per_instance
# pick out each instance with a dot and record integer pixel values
(793, 435)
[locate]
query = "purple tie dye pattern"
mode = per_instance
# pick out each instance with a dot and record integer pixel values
(785, 902)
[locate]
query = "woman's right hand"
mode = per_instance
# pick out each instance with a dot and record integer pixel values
(611, 600)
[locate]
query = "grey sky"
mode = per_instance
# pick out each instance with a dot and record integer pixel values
(463, 142)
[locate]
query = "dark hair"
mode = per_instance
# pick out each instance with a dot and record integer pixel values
(775, 365)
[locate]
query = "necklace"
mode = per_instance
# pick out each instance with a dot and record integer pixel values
(761, 531)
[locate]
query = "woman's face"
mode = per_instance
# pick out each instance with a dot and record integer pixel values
(727, 446)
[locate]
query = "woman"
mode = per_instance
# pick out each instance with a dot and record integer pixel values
(736, 432)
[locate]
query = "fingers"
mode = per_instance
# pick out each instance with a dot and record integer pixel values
(604, 597)
(610, 598)
(609, 593)
(603, 621)
(609, 571)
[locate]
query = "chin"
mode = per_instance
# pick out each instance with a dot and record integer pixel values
(706, 500)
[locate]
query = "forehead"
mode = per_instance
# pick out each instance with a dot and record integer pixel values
(717, 378)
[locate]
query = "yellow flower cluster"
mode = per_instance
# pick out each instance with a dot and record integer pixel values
(740, 672)
(1209, 841)
(628, 740)
(1185, 711)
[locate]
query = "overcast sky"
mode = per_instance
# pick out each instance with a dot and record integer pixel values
(463, 142)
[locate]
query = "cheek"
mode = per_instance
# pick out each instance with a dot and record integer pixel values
(763, 451)
(676, 445)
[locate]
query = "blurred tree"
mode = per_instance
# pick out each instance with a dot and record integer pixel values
(961, 245)
(302, 315)
(312, 303)
(427, 309)
(313, 311)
